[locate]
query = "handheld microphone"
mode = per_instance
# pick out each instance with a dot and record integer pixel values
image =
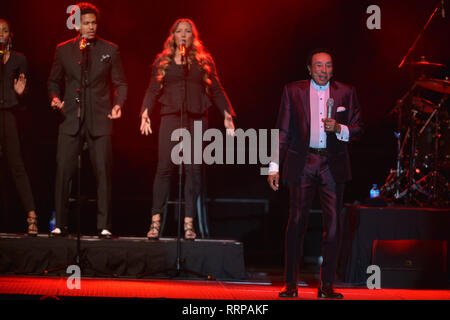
(83, 42)
(2, 46)
(330, 104)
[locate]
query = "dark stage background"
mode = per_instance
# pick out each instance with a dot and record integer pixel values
(258, 46)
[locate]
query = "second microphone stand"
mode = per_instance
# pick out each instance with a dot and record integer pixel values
(81, 101)
(179, 269)
(84, 83)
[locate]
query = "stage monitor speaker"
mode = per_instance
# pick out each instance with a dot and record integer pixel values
(411, 264)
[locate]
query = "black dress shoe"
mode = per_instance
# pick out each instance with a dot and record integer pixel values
(326, 291)
(288, 291)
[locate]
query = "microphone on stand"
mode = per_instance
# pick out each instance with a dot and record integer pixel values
(83, 42)
(2, 46)
(183, 50)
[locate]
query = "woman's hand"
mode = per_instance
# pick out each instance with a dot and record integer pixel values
(228, 123)
(20, 84)
(146, 127)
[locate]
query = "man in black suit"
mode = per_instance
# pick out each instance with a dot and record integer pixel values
(313, 155)
(88, 64)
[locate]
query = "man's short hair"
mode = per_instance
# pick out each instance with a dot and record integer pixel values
(86, 7)
(316, 51)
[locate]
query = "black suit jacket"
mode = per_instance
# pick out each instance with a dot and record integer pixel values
(294, 121)
(104, 68)
(172, 93)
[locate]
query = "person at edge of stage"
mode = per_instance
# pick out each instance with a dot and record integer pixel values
(183, 71)
(87, 113)
(12, 86)
(313, 155)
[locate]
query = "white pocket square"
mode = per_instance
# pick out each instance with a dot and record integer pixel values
(340, 109)
(105, 58)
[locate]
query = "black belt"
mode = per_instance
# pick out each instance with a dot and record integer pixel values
(320, 152)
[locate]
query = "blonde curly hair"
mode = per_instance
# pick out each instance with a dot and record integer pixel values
(196, 53)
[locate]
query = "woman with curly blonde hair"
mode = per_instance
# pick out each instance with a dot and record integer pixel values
(184, 79)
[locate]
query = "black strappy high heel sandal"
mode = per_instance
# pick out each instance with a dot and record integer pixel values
(155, 227)
(32, 224)
(189, 233)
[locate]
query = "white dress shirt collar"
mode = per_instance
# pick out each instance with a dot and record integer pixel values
(319, 87)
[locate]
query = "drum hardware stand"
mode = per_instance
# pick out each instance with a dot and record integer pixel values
(434, 174)
(393, 180)
(412, 185)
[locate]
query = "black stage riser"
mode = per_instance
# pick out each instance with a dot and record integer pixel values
(411, 263)
(122, 257)
(364, 226)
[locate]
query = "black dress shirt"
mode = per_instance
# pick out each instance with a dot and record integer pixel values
(15, 65)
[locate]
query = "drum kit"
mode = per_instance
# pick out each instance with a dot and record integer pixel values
(423, 142)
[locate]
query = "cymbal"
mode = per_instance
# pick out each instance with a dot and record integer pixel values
(423, 105)
(442, 86)
(426, 64)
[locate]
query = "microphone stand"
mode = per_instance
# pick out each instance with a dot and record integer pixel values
(2, 103)
(3, 133)
(178, 263)
(179, 268)
(81, 100)
(84, 83)
(180, 169)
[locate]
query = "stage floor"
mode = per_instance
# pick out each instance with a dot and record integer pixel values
(260, 283)
(56, 287)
